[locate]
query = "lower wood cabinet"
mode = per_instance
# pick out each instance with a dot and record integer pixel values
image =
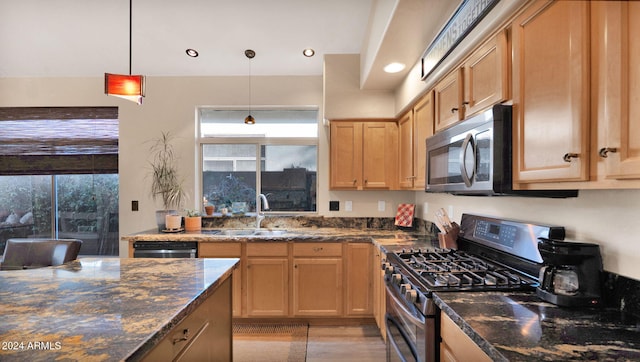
(204, 335)
(267, 280)
(456, 345)
(300, 279)
(227, 250)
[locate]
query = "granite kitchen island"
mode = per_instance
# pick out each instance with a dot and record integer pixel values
(110, 309)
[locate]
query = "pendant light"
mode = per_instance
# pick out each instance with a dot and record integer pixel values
(249, 54)
(130, 87)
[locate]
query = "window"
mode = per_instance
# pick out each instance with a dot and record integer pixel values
(59, 175)
(276, 157)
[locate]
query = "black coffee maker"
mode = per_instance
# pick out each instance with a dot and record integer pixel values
(571, 274)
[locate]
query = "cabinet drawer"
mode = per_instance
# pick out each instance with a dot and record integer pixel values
(267, 249)
(317, 249)
(219, 250)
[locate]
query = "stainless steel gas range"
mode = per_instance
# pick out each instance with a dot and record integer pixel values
(492, 255)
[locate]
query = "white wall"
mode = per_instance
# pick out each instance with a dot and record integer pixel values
(169, 105)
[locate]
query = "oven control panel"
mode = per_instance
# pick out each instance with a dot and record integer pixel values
(497, 233)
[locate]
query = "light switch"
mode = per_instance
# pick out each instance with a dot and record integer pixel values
(134, 205)
(381, 205)
(348, 206)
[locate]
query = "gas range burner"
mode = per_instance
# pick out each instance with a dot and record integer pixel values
(446, 269)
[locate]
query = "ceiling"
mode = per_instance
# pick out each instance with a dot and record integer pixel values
(86, 38)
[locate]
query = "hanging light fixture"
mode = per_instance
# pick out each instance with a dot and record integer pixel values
(130, 87)
(249, 54)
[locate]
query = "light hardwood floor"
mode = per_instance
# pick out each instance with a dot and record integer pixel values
(361, 343)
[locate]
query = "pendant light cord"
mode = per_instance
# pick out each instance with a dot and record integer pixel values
(130, 32)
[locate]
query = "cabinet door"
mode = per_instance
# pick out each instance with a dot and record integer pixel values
(227, 250)
(317, 287)
(448, 97)
(359, 287)
(379, 155)
(346, 155)
(551, 92)
(267, 287)
(619, 146)
(456, 345)
(486, 75)
(405, 151)
(379, 302)
(422, 128)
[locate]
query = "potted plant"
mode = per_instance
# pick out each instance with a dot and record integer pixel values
(166, 184)
(193, 220)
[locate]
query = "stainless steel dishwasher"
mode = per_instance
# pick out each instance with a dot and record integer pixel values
(165, 249)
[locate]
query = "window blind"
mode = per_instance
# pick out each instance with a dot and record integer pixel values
(58, 140)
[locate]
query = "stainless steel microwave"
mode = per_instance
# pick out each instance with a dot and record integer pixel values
(473, 157)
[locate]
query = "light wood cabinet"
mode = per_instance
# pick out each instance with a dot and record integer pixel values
(363, 155)
(227, 250)
(486, 75)
(449, 99)
(481, 81)
(267, 280)
(379, 298)
(413, 129)
(456, 346)
(317, 279)
(551, 92)
(359, 281)
(204, 335)
(615, 55)
(574, 91)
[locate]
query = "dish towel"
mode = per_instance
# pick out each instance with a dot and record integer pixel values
(404, 216)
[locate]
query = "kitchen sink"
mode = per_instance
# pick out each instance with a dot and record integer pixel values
(245, 232)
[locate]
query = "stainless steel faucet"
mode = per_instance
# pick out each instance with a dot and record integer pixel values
(263, 204)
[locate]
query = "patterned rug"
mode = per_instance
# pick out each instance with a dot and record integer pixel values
(269, 342)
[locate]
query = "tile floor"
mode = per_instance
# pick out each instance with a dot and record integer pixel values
(353, 343)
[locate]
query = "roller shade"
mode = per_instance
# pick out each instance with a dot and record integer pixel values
(58, 140)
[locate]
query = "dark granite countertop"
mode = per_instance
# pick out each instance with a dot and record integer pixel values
(100, 309)
(521, 327)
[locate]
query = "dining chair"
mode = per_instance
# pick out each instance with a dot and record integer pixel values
(29, 253)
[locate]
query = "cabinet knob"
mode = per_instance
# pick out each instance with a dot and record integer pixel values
(605, 150)
(568, 156)
(355, 181)
(454, 110)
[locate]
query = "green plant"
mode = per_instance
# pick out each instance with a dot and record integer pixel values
(192, 213)
(166, 184)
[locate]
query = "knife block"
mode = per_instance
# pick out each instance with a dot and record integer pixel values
(449, 239)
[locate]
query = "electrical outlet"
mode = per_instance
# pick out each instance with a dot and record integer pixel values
(425, 210)
(381, 205)
(348, 206)
(450, 212)
(134, 205)
(334, 205)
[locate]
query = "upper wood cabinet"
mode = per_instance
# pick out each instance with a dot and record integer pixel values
(413, 128)
(551, 92)
(575, 92)
(486, 75)
(363, 155)
(481, 81)
(615, 56)
(449, 94)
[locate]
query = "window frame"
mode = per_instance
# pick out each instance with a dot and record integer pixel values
(258, 141)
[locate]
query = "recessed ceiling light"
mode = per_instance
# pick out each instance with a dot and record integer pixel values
(394, 67)
(192, 53)
(308, 52)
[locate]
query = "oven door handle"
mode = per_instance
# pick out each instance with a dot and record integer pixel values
(406, 314)
(387, 321)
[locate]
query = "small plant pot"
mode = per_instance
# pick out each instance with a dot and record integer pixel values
(173, 222)
(193, 223)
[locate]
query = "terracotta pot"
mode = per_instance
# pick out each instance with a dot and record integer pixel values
(193, 223)
(209, 209)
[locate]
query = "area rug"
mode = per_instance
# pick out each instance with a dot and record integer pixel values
(269, 342)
